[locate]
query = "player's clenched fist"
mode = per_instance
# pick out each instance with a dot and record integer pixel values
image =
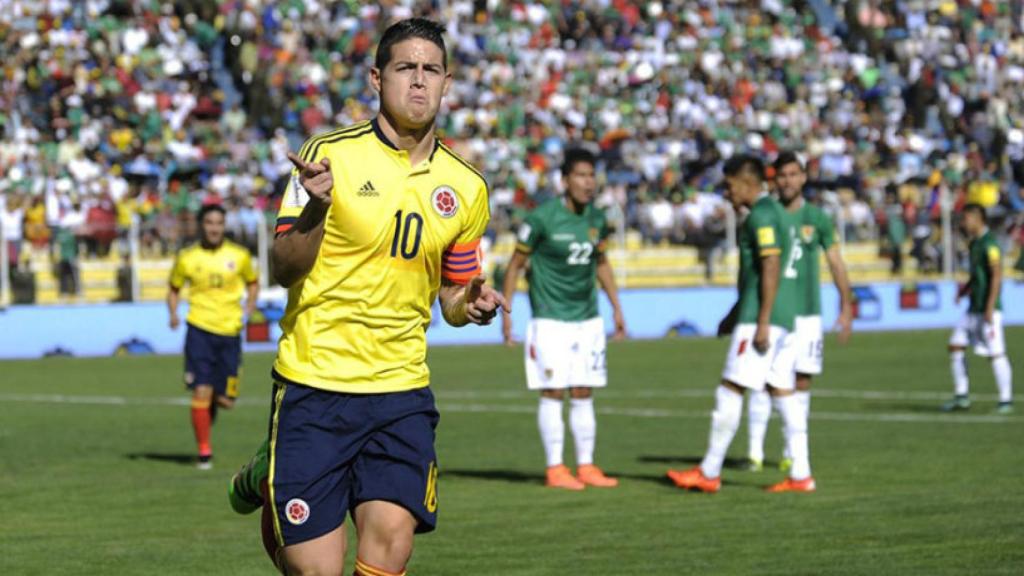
(315, 177)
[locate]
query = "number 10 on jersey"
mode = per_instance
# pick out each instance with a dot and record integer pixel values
(400, 243)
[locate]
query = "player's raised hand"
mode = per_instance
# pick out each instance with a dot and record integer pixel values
(315, 177)
(482, 301)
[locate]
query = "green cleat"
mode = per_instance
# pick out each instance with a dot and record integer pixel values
(1005, 408)
(785, 464)
(957, 404)
(244, 490)
(753, 465)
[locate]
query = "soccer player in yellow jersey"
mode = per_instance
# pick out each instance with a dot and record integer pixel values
(218, 272)
(378, 220)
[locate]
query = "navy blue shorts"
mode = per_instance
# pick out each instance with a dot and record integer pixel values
(330, 452)
(212, 360)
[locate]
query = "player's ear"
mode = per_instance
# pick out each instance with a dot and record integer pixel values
(447, 82)
(375, 77)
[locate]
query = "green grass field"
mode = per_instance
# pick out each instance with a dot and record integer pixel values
(97, 476)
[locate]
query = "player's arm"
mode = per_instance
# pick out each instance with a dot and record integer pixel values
(174, 286)
(252, 286)
(769, 289)
(471, 303)
(842, 281)
(728, 324)
(606, 278)
(515, 266)
(995, 265)
(295, 248)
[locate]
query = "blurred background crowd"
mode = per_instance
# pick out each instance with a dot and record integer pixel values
(139, 109)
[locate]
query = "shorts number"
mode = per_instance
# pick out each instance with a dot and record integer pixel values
(815, 349)
(579, 253)
(402, 246)
(598, 361)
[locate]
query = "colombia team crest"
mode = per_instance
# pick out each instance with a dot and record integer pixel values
(808, 233)
(445, 201)
(297, 511)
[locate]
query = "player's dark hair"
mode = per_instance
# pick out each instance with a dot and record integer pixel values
(744, 164)
(575, 156)
(410, 28)
(207, 208)
(786, 158)
(977, 209)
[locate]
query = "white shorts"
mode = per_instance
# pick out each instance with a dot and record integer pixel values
(987, 339)
(745, 367)
(562, 355)
(809, 344)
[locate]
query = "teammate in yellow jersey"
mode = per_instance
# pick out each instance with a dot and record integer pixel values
(218, 272)
(379, 220)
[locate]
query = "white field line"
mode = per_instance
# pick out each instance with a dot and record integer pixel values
(481, 408)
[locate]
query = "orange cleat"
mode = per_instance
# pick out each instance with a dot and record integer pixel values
(790, 485)
(560, 477)
(593, 476)
(694, 479)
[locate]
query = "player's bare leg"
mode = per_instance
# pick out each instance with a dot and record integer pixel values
(552, 435)
(583, 424)
(794, 421)
(202, 400)
(322, 556)
(961, 383)
(385, 538)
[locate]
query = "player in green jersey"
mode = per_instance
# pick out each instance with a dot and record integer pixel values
(982, 326)
(564, 242)
(812, 231)
(761, 353)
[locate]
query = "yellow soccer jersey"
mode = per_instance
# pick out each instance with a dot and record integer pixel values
(357, 322)
(217, 280)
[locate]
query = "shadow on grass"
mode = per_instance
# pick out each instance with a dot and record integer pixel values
(730, 463)
(913, 407)
(513, 476)
(183, 459)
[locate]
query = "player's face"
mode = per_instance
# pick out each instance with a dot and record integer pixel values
(741, 190)
(971, 223)
(213, 228)
(790, 181)
(412, 84)
(580, 183)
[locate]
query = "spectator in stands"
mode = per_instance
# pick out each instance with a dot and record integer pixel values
(895, 230)
(12, 216)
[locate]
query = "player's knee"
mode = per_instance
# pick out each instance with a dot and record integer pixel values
(387, 545)
(803, 382)
(225, 402)
(581, 393)
(202, 392)
(955, 349)
(553, 394)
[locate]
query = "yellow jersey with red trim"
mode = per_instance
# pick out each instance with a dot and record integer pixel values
(357, 322)
(216, 281)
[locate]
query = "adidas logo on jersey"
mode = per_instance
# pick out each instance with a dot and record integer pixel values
(368, 190)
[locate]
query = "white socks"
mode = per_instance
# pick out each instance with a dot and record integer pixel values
(552, 430)
(794, 419)
(804, 397)
(759, 411)
(584, 428)
(958, 364)
(1004, 377)
(724, 422)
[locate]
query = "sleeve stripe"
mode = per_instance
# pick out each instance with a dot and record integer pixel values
(460, 277)
(770, 252)
(469, 268)
(462, 254)
(287, 220)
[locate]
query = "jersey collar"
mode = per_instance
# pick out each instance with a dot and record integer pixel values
(398, 152)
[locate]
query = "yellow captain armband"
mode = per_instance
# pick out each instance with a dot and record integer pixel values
(993, 254)
(765, 236)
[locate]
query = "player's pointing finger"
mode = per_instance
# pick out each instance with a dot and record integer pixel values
(297, 162)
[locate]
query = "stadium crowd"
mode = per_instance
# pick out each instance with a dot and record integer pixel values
(111, 109)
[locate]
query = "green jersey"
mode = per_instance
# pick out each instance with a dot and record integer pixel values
(812, 229)
(765, 232)
(985, 257)
(563, 247)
